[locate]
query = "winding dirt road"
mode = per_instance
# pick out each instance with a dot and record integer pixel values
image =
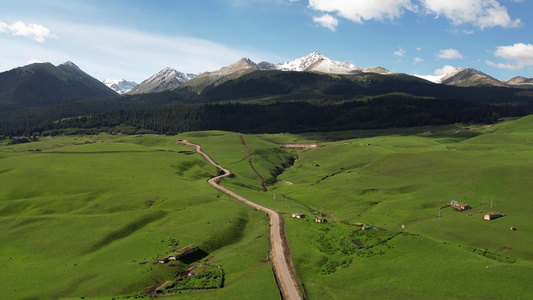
(286, 282)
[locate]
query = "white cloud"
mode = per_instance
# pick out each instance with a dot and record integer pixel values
(362, 10)
(327, 21)
(445, 70)
(450, 54)
(400, 52)
(108, 52)
(520, 53)
(417, 60)
(480, 13)
(36, 32)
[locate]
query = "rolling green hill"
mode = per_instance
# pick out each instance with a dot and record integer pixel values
(96, 208)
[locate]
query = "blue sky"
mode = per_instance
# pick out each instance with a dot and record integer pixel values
(135, 39)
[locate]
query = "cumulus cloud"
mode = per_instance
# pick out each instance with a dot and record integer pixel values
(450, 54)
(362, 10)
(520, 53)
(417, 60)
(447, 69)
(479, 13)
(400, 52)
(327, 21)
(36, 32)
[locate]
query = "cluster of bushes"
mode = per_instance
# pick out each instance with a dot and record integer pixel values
(340, 244)
(494, 256)
(334, 263)
(205, 277)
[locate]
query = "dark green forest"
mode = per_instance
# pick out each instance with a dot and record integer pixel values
(380, 112)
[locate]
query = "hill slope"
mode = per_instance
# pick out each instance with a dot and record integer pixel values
(43, 84)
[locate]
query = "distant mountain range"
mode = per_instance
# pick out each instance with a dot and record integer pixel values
(43, 84)
(169, 79)
(313, 62)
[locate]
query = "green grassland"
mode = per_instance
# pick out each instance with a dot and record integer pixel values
(88, 216)
(80, 216)
(389, 178)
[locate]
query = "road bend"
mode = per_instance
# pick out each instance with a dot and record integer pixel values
(285, 280)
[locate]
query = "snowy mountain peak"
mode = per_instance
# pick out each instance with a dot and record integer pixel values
(302, 63)
(120, 86)
(317, 62)
(166, 79)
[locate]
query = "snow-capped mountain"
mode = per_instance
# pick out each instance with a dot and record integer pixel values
(319, 63)
(120, 86)
(166, 79)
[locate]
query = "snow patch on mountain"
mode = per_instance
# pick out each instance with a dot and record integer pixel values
(300, 64)
(120, 86)
(441, 74)
(319, 63)
(166, 79)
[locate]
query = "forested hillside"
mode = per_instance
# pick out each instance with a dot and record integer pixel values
(380, 112)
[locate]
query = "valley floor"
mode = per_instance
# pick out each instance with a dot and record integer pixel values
(92, 213)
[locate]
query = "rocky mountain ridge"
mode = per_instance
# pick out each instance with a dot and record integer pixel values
(166, 79)
(120, 86)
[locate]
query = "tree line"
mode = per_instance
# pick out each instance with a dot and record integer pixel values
(297, 116)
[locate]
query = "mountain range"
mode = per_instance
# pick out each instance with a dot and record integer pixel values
(169, 79)
(43, 84)
(321, 94)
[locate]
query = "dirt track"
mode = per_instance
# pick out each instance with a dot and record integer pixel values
(261, 179)
(286, 283)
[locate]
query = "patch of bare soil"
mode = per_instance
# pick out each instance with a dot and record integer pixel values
(300, 146)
